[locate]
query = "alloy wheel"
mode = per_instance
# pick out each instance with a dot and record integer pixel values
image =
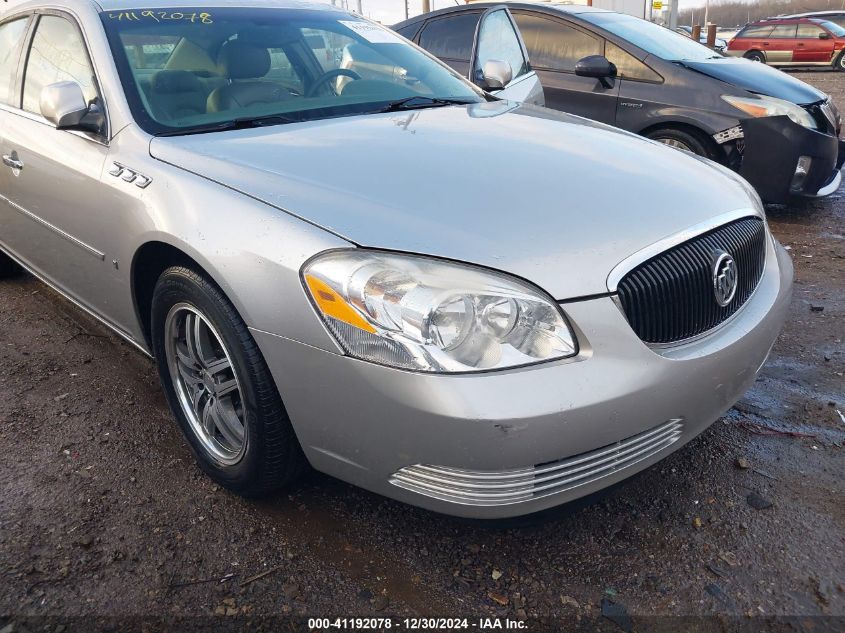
(206, 383)
(673, 142)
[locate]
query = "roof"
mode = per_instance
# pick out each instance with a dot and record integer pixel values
(117, 5)
(559, 5)
(553, 6)
(789, 20)
(122, 5)
(813, 14)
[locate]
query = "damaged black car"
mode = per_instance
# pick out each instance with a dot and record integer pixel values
(779, 133)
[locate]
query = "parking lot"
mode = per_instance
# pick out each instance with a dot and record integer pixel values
(103, 511)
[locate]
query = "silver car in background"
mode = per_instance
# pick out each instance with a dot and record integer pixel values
(341, 253)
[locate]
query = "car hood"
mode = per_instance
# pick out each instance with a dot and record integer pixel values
(759, 79)
(552, 198)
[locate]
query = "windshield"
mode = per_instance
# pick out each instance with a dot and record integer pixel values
(186, 69)
(652, 38)
(837, 30)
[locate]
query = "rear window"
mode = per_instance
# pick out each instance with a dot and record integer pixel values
(756, 30)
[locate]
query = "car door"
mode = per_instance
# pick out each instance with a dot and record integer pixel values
(781, 44)
(813, 44)
(12, 37)
(497, 39)
(752, 38)
(61, 211)
(555, 46)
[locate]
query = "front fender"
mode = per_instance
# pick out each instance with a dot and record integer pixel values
(251, 250)
(773, 146)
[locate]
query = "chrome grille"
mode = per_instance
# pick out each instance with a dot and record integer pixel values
(670, 297)
(490, 488)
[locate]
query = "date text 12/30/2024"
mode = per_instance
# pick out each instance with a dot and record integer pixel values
(416, 624)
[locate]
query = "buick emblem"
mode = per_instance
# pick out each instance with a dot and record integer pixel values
(724, 278)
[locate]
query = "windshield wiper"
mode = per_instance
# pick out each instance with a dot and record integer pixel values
(244, 123)
(418, 102)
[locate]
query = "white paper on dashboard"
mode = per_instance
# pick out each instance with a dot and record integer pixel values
(373, 33)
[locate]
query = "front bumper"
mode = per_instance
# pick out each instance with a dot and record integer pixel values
(369, 424)
(773, 146)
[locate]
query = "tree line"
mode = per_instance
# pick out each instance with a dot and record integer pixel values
(733, 13)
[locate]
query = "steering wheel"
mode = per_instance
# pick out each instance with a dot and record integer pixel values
(328, 76)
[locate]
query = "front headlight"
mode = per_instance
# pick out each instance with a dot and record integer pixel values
(428, 315)
(769, 106)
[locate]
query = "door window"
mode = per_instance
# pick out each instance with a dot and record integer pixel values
(57, 54)
(809, 31)
(554, 45)
(758, 31)
(498, 40)
(450, 38)
(11, 35)
(628, 66)
(783, 31)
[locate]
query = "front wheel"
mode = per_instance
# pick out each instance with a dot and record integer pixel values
(680, 139)
(756, 56)
(219, 387)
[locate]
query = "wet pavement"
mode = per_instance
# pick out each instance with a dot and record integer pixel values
(104, 514)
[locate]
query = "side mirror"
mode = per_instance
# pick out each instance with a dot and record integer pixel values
(63, 104)
(597, 66)
(824, 36)
(496, 74)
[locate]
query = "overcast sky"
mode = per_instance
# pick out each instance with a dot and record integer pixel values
(392, 11)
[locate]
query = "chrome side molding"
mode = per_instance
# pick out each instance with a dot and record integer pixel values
(70, 238)
(43, 279)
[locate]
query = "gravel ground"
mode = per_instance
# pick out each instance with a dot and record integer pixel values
(104, 515)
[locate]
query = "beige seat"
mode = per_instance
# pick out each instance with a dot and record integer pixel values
(243, 65)
(175, 94)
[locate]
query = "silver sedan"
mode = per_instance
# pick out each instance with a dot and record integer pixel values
(339, 252)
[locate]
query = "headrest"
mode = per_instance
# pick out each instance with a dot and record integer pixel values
(176, 81)
(241, 60)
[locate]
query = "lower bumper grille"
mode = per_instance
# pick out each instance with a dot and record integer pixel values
(490, 488)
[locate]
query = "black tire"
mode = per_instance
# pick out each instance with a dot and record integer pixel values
(839, 63)
(271, 456)
(9, 267)
(756, 56)
(681, 139)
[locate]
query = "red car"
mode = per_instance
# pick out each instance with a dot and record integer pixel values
(791, 42)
